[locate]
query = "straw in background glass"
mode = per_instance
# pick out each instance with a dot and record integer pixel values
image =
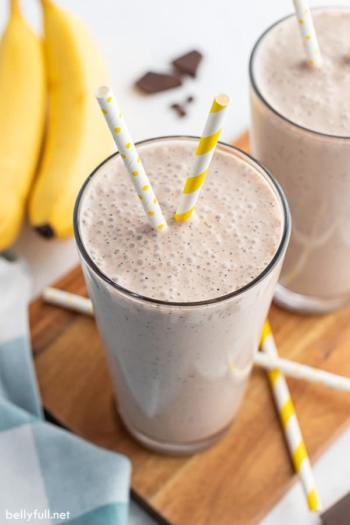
(308, 32)
(290, 423)
(132, 161)
(204, 153)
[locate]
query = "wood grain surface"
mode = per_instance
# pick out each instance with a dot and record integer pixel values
(238, 480)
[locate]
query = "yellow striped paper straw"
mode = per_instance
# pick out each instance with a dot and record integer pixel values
(308, 32)
(290, 423)
(299, 371)
(271, 361)
(108, 104)
(68, 300)
(204, 153)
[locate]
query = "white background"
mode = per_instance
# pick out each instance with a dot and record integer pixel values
(140, 35)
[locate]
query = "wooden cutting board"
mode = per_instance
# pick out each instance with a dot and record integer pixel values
(241, 478)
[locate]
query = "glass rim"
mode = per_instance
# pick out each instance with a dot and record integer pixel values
(257, 91)
(236, 293)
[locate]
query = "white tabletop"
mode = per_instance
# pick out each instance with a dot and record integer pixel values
(138, 36)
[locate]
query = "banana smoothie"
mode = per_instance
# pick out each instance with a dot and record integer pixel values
(181, 311)
(301, 132)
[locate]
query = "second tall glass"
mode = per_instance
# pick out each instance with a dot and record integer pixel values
(313, 169)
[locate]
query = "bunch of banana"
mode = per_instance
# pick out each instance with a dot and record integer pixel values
(77, 137)
(22, 111)
(64, 72)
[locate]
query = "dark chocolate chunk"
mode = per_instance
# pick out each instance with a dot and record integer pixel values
(338, 514)
(179, 109)
(157, 82)
(188, 64)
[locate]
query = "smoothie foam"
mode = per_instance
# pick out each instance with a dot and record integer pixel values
(315, 98)
(231, 238)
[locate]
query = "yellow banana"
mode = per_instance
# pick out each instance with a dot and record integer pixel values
(77, 137)
(22, 112)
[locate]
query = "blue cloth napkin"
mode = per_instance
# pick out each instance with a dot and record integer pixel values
(47, 475)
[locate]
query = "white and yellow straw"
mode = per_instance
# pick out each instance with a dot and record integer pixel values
(308, 32)
(204, 153)
(290, 423)
(307, 373)
(270, 361)
(128, 153)
(68, 300)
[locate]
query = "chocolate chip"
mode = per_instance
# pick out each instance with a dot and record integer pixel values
(338, 514)
(190, 99)
(156, 82)
(188, 64)
(179, 109)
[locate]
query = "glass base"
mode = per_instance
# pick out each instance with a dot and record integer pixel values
(172, 449)
(306, 304)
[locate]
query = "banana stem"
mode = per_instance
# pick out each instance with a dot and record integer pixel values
(15, 8)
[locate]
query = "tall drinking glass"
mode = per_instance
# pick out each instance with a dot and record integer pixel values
(179, 369)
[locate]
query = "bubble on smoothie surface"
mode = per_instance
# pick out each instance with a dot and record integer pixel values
(233, 234)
